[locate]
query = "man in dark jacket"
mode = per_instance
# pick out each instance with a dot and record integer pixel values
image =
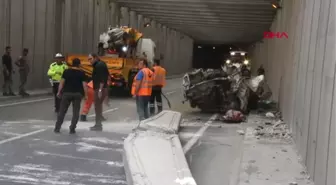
(72, 89)
(100, 75)
(7, 72)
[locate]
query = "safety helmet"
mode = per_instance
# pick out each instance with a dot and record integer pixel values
(58, 55)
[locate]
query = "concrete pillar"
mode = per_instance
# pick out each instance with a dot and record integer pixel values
(125, 17)
(140, 23)
(133, 20)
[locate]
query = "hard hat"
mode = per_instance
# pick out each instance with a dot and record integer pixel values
(58, 55)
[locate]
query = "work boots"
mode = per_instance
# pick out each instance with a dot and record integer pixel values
(84, 118)
(97, 128)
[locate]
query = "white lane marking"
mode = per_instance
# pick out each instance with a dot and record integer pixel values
(28, 121)
(198, 134)
(109, 110)
(11, 133)
(112, 163)
(25, 102)
(171, 92)
(21, 136)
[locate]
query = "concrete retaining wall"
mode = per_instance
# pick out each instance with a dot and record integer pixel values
(73, 26)
(301, 73)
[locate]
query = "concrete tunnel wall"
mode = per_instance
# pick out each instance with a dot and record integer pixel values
(301, 73)
(46, 27)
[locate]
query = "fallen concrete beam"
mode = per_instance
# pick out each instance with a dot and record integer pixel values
(152, 158)
(153, 153)
(166, 121)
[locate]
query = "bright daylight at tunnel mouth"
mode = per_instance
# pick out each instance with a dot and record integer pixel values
(167, 92)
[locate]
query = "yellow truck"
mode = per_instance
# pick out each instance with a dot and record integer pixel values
(127, 45)
(122, 70)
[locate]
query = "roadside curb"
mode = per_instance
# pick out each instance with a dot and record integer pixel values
(237, 163)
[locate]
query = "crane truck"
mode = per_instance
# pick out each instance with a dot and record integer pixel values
(119, 48)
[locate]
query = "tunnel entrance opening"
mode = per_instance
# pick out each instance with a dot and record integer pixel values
(209, 56)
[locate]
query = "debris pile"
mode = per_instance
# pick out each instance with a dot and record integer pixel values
(273, 128)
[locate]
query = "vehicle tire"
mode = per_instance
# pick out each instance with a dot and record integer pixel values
(131, 76)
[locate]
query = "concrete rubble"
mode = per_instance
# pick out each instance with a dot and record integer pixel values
(153, 153)
(269, 155)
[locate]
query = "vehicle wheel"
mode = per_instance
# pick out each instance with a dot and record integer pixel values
(128, 87)
(192, 104)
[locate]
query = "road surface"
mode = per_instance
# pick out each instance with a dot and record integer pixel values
(30, 153)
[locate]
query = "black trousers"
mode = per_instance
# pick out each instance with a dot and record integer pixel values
(8, 81)
(67, 99)
(156, 96)
(57, 100)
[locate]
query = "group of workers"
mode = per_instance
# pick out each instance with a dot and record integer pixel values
(147, 88)
(70, 87)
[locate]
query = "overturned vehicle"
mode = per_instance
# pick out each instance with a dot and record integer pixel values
(221, 90)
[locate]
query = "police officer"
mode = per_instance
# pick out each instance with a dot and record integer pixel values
(55, 73)
(142, 89)
(159, 82)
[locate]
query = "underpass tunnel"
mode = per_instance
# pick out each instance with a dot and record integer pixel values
(298, 57)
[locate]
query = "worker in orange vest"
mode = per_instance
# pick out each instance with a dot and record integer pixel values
(142, 89)
(159, 82)
(89, 101)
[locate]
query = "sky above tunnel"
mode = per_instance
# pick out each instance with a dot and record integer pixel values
(210, 21)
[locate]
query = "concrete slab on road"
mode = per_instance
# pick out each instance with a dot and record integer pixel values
(40, 157)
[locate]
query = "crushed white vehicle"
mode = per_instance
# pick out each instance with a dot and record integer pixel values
(221, 90)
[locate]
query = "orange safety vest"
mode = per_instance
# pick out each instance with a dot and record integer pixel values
(146, 83)
(159, 76)
(90, 84)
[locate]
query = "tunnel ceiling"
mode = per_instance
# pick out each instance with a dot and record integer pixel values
(210, 21)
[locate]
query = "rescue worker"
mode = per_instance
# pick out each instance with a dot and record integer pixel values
(142, 89)
(159, 82)
(55, 73)
(89, 101)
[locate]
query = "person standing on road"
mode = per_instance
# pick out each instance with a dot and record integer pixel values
(159, 82)
(88, 102)
(72, 88)
(55, 73)
(22, 64)
(142, 89)
(100, 75)
(7, 72)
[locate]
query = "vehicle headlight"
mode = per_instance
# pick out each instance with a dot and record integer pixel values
(246, 62)
(232, 53)
(228, 61)
(242, 54)
(124, 49)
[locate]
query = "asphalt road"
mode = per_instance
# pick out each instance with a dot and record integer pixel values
(30, 153)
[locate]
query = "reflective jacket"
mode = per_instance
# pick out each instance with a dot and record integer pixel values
(90, 84)
(145, 88)
(55, 71)
(159, 76)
